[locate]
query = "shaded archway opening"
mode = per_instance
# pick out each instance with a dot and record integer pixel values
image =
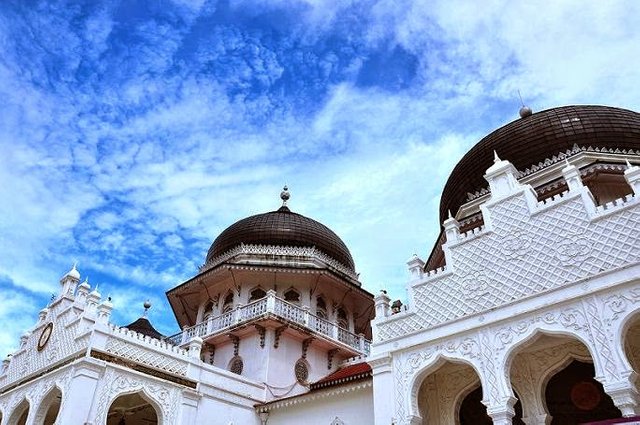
(49, 408)
(442, 389)
(132, 409)
(474, 412)
(632, 342)
(20, 414)
(573, 396)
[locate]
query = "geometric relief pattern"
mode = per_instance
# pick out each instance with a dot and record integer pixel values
(62, 343)
(116, 383)
(520, 255)
(156, 359)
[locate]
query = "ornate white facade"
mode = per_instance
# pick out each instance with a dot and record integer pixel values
(563, 267)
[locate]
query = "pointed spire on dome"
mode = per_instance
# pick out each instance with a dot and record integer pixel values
(85, 284)
(284, 195)
(496, 158)
(74, 273)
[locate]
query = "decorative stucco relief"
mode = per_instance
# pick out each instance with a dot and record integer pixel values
(117, 383)
(492, 350)
(35, 391)
(410, 366)
(64, 342)
(520, 255)
(158, 359)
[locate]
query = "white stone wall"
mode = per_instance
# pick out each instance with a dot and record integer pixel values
(348, 404)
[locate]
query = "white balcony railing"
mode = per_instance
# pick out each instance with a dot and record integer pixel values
(277, 307)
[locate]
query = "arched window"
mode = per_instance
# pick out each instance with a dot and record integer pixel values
(292, 296)
(208, 311)
(321, 308)
(256, 294)
(342, 318)
(227, 305)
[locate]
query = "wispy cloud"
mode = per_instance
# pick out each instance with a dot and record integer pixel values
(132, 133)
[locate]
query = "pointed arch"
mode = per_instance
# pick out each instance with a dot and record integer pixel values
(293, 296)
(536, 360)
(321, 307)
(531, 334)
(135, 402)
(342, 318)
(228, 302)
(257, 293)
(433, 363)
(49, 407)
(20, 413)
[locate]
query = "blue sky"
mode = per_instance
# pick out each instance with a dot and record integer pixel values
(133, 132)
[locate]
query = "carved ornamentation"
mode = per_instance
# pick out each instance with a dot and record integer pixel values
(149, 357)
(573, 250)
(278, 332)
(65, 340)
(305, 346)
(284, 251)
(516, 245)
(301, 370)
(562, 245)
(236, 365)
(115, 383)
(236, 343)
(262, 332)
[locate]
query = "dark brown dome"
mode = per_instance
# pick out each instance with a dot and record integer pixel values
(530, 140)
(284, 228)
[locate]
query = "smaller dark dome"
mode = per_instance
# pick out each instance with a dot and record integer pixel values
(144, 327)
(285, 228)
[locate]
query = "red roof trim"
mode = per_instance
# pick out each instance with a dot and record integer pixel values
(346, 374)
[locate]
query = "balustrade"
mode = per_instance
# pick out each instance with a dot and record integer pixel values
(279, 307)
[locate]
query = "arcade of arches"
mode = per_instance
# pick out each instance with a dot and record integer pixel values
(552, 379)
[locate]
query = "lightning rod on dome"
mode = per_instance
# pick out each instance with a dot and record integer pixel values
(525, 111)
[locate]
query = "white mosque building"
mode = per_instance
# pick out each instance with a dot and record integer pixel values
(526, 311)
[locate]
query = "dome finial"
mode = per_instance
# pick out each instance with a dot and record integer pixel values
(496, 158)
(525, 111)
(285, 195)
(147, 306)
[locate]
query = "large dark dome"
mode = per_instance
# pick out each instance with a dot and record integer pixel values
(284, 228)
(528, 141)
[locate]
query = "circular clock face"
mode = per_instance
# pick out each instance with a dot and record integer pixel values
(44, 336)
